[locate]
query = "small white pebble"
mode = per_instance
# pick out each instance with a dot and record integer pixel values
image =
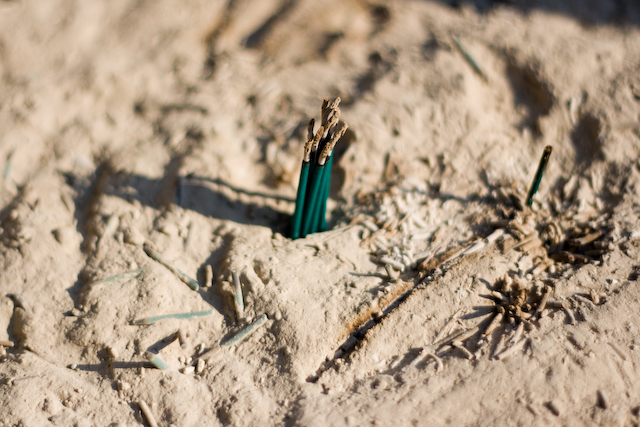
(188, 370)
(278, 315)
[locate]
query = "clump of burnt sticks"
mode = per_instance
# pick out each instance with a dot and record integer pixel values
(559, 230)
(315, 175)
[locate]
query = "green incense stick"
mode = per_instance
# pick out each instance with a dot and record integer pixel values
(246, 331)
(326, 187)
(538, 177)
(154, 255)
(296, 221)
(153, 319)
(310, 210)
(156, 361)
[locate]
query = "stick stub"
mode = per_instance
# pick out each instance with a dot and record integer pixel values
(156, 361)
(208, 276)
(182, 338)
(147, 413)
(238, 299)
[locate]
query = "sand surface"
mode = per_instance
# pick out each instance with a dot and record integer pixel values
(130, 128)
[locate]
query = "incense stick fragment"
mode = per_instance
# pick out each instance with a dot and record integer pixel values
(460, 346)
(246, 331)
(512, 350)
(495, 322)
(545, 298)
(447, 326)
(462, 336)
(570, 317)
(518, 333)
(6, 343)
(391, 273)
(156, 361)
(467, 57)
(392, 262)
(193, 284)
(369, 225)
(127, 275)
(153, 319)
(182, 338)
(147, 413)
(238, 300)
(538, 176)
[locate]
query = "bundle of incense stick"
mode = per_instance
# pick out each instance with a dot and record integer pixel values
(315, 175)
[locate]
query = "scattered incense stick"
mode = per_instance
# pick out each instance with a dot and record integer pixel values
(494, 323)
(246, 331)
(467, 57)
(238, 300)
(460, 346)
(6, 343)
(156, 361)
(194, 285)
(512, 350)
(538, 176)
(153, 319)
(147, 413)
(127, 275)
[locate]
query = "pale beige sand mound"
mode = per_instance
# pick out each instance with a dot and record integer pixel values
(181, 125)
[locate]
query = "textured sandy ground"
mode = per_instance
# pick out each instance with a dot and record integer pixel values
(181, 124)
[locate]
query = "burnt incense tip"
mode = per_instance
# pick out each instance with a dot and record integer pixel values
(547, 151)
(312, 123)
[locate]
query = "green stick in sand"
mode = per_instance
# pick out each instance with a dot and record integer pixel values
(467, 57)
(296, 220)
(246, 331)
(321, 223)
(310, 214)
(315, 177)
(156, 360)
(538, 177)
(193, 284)
(326, 185)
(153, 319)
